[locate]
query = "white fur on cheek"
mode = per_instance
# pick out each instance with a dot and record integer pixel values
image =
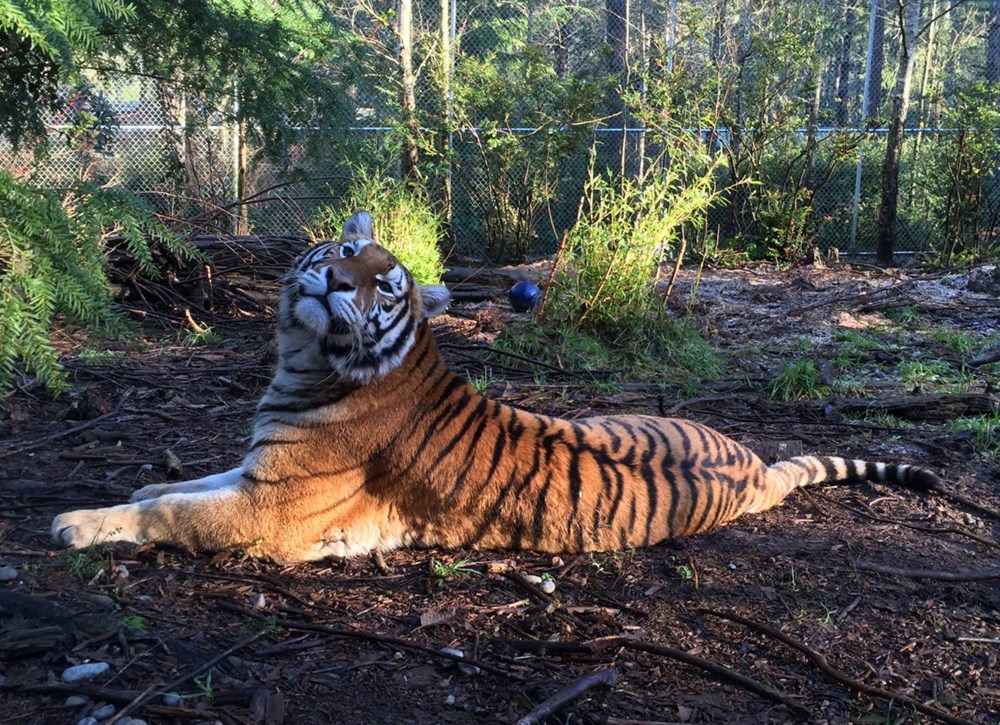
(311, 313)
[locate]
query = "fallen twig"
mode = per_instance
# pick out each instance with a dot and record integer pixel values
(718, 671)
(368, 636)
(990, 357)
(45, 440)
(907, 525)
(947, 576)
(564, 696)
(824, 666)
(966, 501)
(146, 696)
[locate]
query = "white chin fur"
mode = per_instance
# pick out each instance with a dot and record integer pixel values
(311, 313)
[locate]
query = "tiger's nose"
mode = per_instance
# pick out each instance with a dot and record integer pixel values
(338, 280)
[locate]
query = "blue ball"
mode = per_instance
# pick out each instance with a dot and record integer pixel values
(524, 296)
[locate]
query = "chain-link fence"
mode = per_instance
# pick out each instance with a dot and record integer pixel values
(796, 98)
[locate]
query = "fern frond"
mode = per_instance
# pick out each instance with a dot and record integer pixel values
(53, 262)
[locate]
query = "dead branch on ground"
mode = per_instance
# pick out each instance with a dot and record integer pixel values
(947, 576)
(564, 696)
(824, 666)
(718, 671)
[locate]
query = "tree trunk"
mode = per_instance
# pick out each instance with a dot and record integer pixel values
(922, 95)
(876, 63)
(407, 93)
(888, 209)
(993, 44)
(842, 80)
(814, 107)
(447, 120)
(616, 20)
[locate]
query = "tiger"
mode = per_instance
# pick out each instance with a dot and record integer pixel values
(365, 441)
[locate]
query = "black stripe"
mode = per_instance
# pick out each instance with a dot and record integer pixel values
(573, 474)
(540, 506)
(401, 339)
(477, 413)
(619, 492)
(829, 468)
(616, 440)
(403, 310)
(470, 452)
(652, 494)
(261, 442)
(685, 467)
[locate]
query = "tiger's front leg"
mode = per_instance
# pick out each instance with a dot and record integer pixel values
(223, 514)
(200, 485)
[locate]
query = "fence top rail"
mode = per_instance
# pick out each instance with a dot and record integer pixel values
(721, 130)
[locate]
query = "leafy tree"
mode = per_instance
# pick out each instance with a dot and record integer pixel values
(888, 210)
(257, 59)
(52, 262)
(40, 44)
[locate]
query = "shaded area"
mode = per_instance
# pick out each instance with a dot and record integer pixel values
(358, 641)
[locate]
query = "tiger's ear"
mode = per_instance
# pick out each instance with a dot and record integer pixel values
(435, 298)
(359, 226)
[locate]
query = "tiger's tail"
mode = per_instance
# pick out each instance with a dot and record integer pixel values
(785, 476)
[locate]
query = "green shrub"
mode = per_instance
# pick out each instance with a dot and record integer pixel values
(608, 267)
(53, 265)
(403, 218)
(800, 380)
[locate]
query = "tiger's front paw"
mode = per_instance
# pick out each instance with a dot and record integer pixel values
(86, 527)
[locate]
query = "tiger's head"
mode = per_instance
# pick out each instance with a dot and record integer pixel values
(349, 309)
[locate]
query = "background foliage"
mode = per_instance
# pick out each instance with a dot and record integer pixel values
(256, 115)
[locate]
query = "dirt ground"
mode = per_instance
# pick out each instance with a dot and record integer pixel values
(245, 641)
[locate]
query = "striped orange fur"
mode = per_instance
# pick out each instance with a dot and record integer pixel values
(365, 440)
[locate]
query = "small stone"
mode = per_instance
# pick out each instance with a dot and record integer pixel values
(450, 700)
(87, 721)
(258, 601)
(146, 468)
(103, 712)
(7, 573)
(121, 571)
(172, 699)
(100, 600)
(467, 669)
(548, 586)
(84, 671)
(532, 579)
(448, 661)
(76, 701)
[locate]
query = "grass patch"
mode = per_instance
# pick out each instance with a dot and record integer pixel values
(672, 350)
(196, 338)
(850, 384)
(403, 220)
(799, 380)
(602, 309)
(97, 355)
(961, 341)
(85, 564)
(442, 571)
(854, 346)
(934, 375)
(480, 382)
(903, 315)
(983, 430)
